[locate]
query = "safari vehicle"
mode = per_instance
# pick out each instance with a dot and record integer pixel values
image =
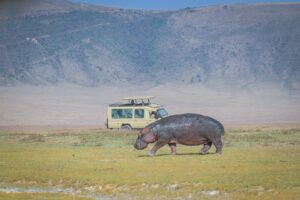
(136, 113)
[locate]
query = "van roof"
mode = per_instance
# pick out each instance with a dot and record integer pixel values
(138, 98)
(152, 105)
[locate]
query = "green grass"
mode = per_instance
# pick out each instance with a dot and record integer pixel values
(256, 163)
(41, 196)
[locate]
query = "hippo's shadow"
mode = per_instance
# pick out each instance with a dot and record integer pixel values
(180, 154)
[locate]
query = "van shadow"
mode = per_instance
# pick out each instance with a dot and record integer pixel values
(179, 154)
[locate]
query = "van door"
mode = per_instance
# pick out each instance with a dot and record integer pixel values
(121, 116)
(140, 120)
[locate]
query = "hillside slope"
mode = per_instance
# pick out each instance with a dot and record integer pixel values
(52, 42)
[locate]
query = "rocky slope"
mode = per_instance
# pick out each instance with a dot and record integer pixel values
(52, 42)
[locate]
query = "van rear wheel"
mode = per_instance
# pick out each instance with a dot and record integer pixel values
(126, 127)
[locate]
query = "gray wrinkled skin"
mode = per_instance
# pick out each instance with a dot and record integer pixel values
(186, 129)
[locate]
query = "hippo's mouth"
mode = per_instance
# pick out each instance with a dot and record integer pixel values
(140, 146)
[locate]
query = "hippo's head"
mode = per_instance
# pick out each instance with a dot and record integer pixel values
(144, 138)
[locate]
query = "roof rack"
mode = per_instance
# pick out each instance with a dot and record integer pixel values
(138, 98)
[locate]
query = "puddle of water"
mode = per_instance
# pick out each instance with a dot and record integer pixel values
(211, 192)
(53, 190)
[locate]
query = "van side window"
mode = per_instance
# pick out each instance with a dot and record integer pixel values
(139, 113)
(121, 113)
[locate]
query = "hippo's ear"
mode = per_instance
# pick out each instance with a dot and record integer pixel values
(145, 130)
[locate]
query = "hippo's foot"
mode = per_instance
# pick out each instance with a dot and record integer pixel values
(219, 153)
(173, 153)
(150, 154)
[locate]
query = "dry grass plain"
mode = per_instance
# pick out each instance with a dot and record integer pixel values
(52, 146)
(257, 163)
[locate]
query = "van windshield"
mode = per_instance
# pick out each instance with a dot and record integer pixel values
(162, 112)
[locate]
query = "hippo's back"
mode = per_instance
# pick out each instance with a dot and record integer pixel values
(190, 123)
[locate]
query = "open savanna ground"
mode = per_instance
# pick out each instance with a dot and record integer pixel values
(74, 106)
(260, 162)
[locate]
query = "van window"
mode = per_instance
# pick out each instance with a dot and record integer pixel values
(139, 113)
(162, 113)
(121, 113)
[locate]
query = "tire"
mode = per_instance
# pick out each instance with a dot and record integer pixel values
(126, 127)
(106, 123)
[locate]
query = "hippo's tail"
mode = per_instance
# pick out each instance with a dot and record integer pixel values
(218, 126)
(222, 130)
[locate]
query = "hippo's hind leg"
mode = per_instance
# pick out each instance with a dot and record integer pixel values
(173, 148)
(157, 146)
(218, 144)
(205, 148)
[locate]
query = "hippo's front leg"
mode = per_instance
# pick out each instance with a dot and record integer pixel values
(173, 148)
(157, 146)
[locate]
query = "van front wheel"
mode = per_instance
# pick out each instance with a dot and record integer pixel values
(126, 127)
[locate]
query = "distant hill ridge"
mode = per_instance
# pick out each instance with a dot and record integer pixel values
(52, 42)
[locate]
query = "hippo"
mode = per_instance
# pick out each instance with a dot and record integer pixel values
(186, 129)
